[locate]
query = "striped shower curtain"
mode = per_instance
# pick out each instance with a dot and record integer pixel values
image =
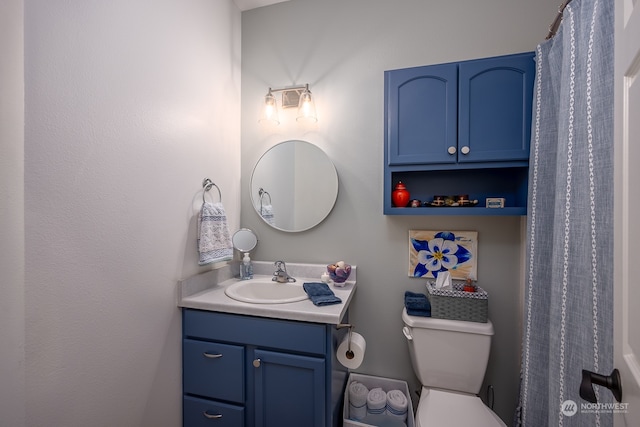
(568, 311)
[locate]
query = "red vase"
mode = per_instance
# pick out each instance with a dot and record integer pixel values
(400, 196)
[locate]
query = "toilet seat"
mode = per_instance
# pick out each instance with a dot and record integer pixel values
(439, 408)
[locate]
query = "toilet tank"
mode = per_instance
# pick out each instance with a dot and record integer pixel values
(448, 354)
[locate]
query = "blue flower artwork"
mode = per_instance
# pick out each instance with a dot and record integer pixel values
(432, 252)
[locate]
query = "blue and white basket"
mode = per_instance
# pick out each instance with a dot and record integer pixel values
(455, 304)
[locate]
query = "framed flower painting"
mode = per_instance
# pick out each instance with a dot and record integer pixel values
(431, 252)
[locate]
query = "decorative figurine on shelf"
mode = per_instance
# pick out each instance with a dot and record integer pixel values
(400, 195)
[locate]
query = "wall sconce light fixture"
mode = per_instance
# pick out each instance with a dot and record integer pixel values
(299, 96)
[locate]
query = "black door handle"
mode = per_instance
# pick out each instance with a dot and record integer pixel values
(612, 382)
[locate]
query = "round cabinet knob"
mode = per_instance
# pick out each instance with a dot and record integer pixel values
(465, 150)
(256, 363)
(451, 150)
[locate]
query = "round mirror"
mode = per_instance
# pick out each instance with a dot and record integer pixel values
(294, 186)
(244, 240)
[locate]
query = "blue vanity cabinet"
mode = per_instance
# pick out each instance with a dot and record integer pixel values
(451, 128)
(259, 372)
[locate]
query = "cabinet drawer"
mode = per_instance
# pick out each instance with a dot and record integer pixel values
(259, 331)
(213, 370)
(206, 413)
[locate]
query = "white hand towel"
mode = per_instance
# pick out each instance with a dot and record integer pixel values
(376, 401)
(214, 240)
(397, 404)
(267, 214)
(357, 400)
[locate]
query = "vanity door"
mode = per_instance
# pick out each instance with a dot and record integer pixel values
(289, 390)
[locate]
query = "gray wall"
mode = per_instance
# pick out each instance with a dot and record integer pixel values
(12, 322)
(341, 48)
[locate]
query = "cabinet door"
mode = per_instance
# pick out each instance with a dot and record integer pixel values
(495, 108)
(290, 390)
(421, 115)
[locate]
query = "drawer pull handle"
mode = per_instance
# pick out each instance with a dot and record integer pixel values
(212, 416)
(212, 356)
(451, 150)
(256, 363)
(465, 150)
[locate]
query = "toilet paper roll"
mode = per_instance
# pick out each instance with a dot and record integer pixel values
(358, 346)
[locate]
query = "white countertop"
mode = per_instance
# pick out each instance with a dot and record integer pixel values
(207, 292)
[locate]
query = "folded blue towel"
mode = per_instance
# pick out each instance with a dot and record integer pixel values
(417, 304)
(320, 294)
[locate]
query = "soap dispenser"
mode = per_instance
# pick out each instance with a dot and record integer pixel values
(246, 268)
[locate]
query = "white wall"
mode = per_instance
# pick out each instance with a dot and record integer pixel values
(12, 405)
(341, 48)
(129, 105)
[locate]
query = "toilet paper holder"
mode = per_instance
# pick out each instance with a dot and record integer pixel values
(349, 354)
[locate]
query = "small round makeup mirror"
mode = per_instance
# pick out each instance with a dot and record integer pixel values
(244, 240)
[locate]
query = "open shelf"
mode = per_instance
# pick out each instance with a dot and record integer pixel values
(508, 183)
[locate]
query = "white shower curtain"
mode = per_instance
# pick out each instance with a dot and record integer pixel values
(568, 311)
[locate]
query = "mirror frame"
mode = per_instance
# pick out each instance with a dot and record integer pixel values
(332, 178)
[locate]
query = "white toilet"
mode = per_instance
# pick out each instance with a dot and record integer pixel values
(450, 359)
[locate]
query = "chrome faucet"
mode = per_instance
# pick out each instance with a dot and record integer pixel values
(281, 275)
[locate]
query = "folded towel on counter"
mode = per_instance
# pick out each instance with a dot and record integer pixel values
(417, 304)
(320, 294)
(266, 212)
(397, 404)
(376, 401)
(214, 239)
(357, 400)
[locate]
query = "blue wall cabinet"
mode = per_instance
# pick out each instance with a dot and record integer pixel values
(422, 114)
(460, 128)
(494, 108)
(246, 371)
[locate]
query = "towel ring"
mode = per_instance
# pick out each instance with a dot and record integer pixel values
(262, 192)
(207, 184)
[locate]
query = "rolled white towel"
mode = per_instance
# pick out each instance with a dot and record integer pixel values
(357, 400)
(397, 404)
(377, 401)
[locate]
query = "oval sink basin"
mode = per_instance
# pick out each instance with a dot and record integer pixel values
(265, 291)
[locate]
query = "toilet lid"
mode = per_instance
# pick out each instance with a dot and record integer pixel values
(446, 408)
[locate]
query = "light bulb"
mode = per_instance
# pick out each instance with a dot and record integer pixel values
(306, 107)
(269, 109)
